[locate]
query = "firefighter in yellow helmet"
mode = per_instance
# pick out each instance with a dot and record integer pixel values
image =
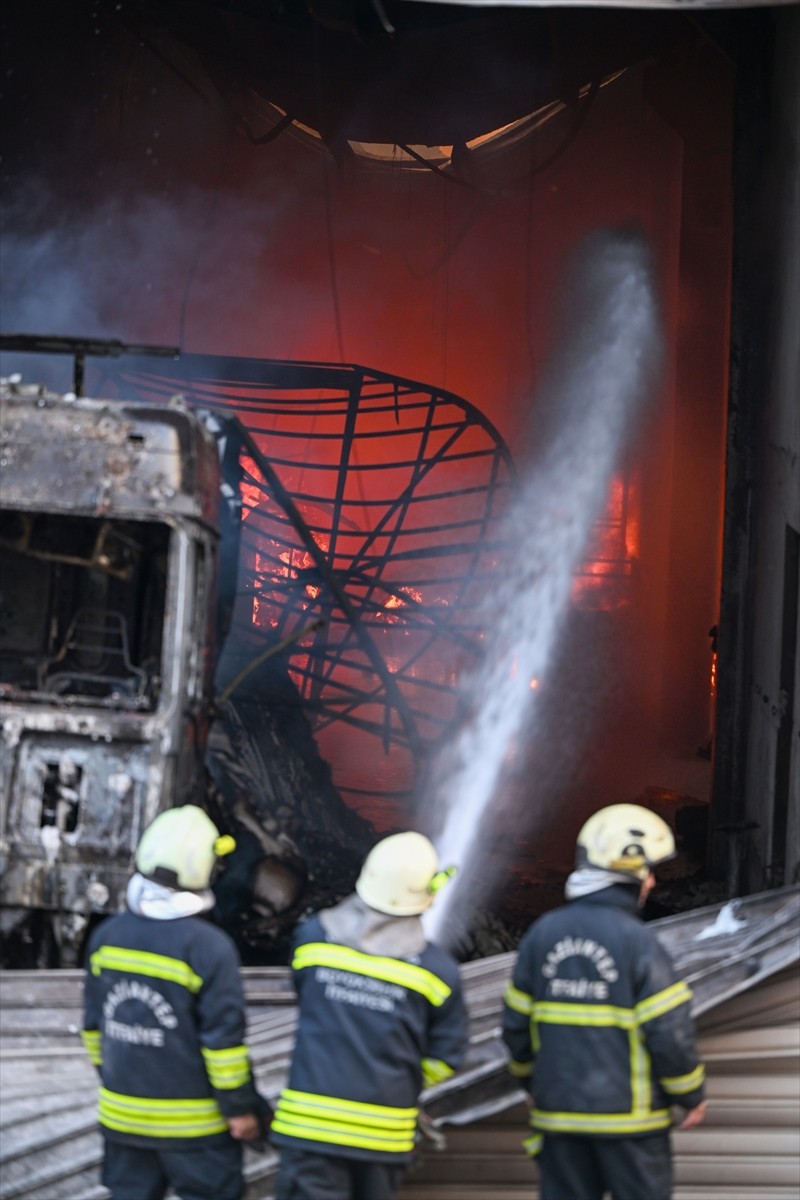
(599, 1025)
(164, 1024)
(381, 1016)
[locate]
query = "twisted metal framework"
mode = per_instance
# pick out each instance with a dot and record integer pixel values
(371, 530)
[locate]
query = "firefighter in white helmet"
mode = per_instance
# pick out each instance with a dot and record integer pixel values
(164, 1024)
(381, 1016)
(599, 1025)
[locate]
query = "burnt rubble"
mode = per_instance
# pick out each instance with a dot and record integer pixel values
(299, 848)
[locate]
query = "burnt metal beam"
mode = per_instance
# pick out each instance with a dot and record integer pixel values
(80, 349)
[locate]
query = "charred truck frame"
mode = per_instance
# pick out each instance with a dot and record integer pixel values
(109, 526)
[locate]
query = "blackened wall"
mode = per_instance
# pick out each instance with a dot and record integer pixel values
(756, 795)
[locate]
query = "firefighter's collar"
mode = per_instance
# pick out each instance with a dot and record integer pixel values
(585, 880)
(353, 923)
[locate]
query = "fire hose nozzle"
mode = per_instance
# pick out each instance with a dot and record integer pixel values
(430, 1133)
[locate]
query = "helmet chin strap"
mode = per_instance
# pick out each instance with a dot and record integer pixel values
(648, 883)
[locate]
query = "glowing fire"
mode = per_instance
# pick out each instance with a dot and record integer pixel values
(276, 565)
(601, 583)
(252, 494)
(397, 600)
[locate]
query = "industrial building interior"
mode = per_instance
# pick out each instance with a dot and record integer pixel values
(400, 189)
(505, 300)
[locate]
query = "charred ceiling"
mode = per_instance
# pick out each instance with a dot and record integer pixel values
(404, 74)
(441, 77)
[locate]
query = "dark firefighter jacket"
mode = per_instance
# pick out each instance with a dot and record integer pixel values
(597, 1017)
(164, 1023)
(372, 1031)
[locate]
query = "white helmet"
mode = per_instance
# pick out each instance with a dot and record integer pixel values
(179, 849)
(400, 875)
(625, 838)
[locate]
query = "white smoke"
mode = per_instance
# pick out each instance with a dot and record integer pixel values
(601, 374)
(135, 267)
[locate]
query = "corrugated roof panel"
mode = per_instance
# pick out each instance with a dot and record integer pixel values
(748, 1149)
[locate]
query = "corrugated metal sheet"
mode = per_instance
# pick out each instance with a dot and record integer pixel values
(747, 998)
(748, 1148)
(746, 982)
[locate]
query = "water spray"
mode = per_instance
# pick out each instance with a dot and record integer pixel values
(602, 372)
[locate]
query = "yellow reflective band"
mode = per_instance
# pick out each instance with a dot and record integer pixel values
(229, 1068)
(553, 1013)
(345, 1122)
(390, 970)
(159, 1118)
(341, 1135)
(533, 1144)
(520, 1070)
(633, 863)
(662, 1002)
(519, 1001)
(93, 1043)
(142, 962)
(613, 1123)
(607, 1016)
(441, 878)
(641, 1093)
(678, 1085)
(354, 1110)
(434, 1071)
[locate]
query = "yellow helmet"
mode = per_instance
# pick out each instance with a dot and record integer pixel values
(625, 838)
(400, 875)
(180, 848)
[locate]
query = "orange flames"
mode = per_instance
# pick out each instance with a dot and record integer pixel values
(602, 582)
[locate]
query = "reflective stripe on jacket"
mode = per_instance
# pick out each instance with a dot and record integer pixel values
(164, 1024)
(596, 1017)
(372, 1031)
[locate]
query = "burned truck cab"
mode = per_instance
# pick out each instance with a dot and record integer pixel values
(108, 547)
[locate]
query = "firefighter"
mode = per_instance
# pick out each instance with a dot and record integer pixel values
(381, 1016)
(598, 1023)
(164, 1024)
